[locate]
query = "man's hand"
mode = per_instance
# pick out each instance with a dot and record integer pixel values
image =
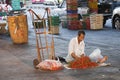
(74, 56)
(82, 55)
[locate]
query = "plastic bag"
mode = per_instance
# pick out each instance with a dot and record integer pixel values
(95, 55)
(50, 65)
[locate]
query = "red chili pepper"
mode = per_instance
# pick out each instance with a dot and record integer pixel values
(83, 63)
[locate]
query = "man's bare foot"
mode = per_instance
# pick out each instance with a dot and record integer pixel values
(103, 59)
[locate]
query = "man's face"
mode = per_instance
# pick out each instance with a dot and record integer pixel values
(81, 37)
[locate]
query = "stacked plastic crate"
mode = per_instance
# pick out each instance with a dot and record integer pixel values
(55, 21)
(72, 16)
(96, 21)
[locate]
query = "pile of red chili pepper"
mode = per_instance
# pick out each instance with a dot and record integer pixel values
(82, 63)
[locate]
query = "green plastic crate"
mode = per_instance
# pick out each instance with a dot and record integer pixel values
(55, 21)
(3, 14)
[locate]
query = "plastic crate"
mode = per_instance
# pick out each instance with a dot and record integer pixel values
(71, 1)
(55, 21)
(74, 25)
(96, 21)
(71, 11)
(71, 7)
(72, 17)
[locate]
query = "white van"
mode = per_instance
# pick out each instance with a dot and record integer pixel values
(116, 18)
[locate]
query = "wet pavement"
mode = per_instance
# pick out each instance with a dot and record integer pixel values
(16, 61)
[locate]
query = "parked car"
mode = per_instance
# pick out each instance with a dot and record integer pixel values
(116, 18)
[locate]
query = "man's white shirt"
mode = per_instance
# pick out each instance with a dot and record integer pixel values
(75, 47)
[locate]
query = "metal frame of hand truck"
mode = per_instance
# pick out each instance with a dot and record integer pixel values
(40, 34)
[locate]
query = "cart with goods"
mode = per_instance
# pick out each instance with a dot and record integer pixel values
(44, 37)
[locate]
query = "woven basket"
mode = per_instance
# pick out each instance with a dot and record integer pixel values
(54, 30)
(18, 28)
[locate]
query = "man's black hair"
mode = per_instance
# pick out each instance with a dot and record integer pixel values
(81, 32)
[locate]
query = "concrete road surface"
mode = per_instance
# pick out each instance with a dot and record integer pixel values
(16, 61)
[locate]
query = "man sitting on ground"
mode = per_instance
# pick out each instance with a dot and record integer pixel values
(76, 50)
